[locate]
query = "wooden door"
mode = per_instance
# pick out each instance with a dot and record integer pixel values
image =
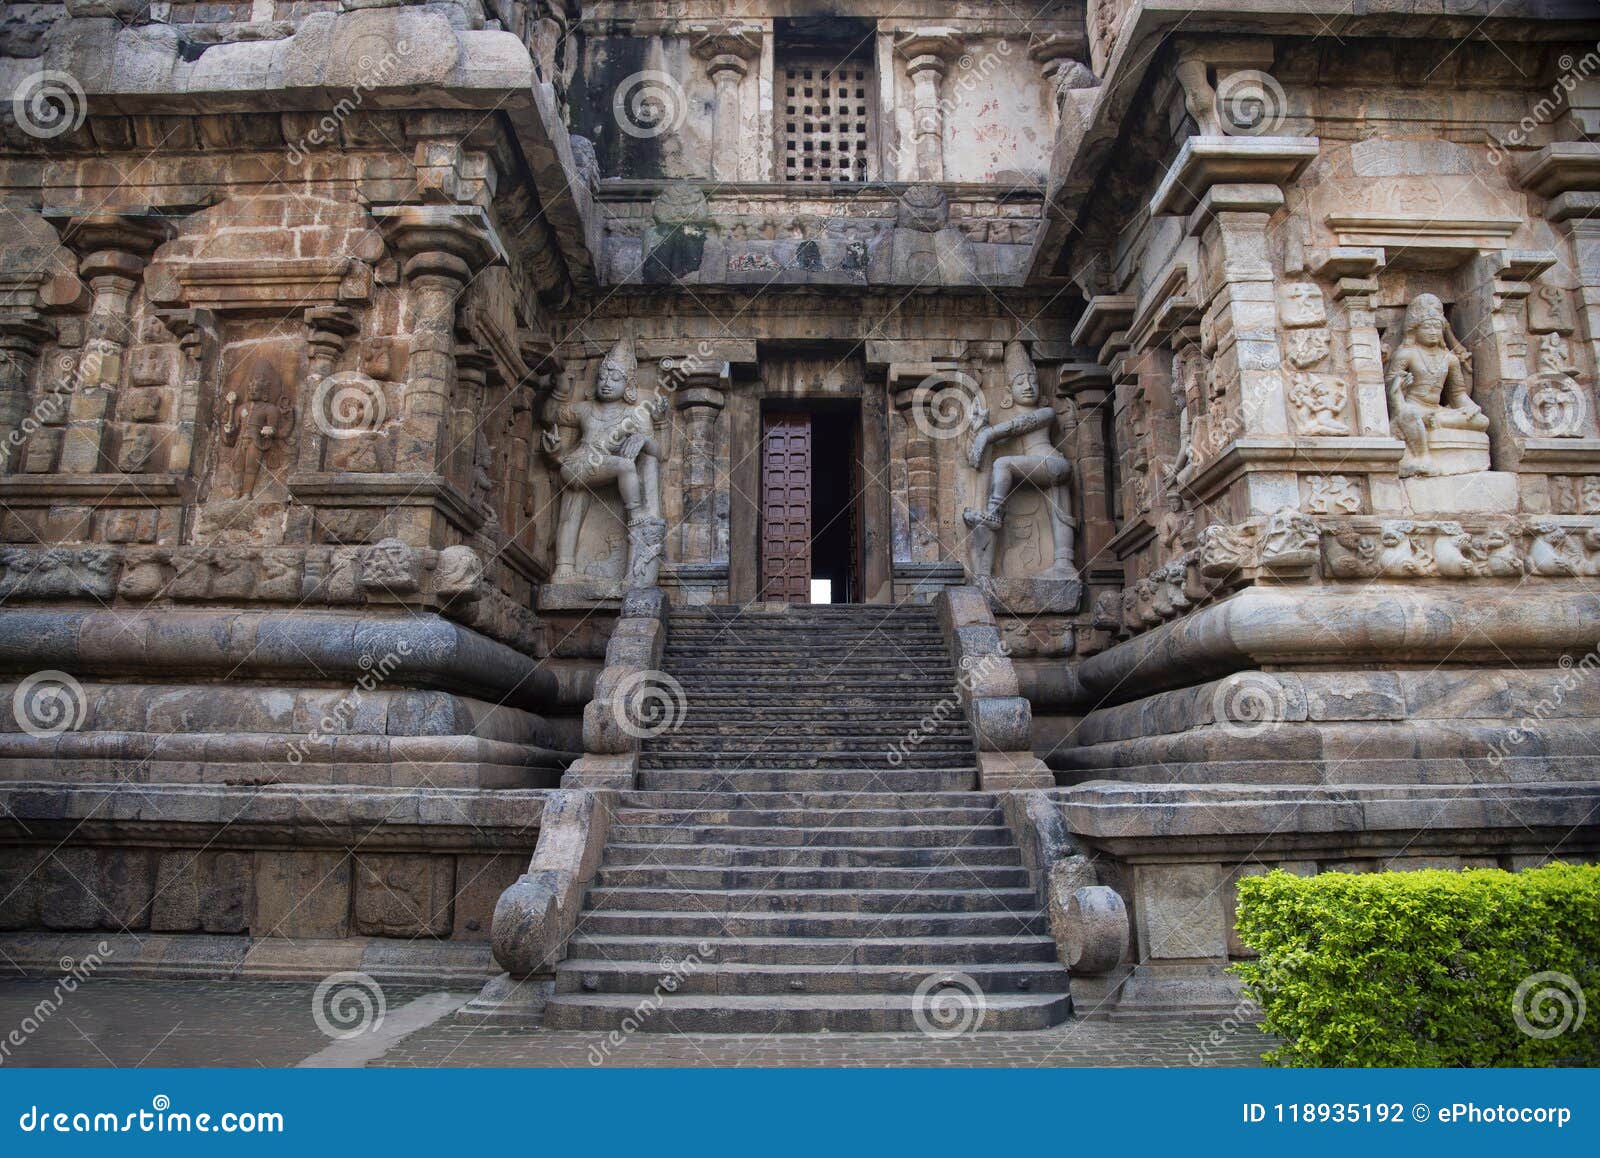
(786, 507)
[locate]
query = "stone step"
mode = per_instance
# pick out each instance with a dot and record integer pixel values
(778, 760)
(804, 666)
(724, 725)
(810, 817)
(648, 923)
(981, 878)
(592, 976)
(685, 777)
(781, 836)
(887, 1013)
(665, 856)
(782, 900)
(840, 952)
(810, 801)
(871, 750)
(843, 701)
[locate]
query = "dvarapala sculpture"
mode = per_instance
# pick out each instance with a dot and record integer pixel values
(616, 446)
(1036, 462)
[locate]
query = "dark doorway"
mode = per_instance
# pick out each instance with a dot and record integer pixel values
(810, 483)
(835, 535)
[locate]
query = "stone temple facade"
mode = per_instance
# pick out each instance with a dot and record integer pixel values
(427, 430)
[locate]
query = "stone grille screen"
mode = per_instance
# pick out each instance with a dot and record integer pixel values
(825, 121)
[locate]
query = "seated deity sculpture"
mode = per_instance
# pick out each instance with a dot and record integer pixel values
(1031, 460)
(616, 447)
(1430, 395)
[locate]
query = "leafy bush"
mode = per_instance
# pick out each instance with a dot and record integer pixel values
(1428, 968)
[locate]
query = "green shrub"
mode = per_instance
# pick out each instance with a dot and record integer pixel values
(1425, 968)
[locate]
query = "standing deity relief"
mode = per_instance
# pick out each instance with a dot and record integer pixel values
(1028, 457)
(254, 426)
(616, 447)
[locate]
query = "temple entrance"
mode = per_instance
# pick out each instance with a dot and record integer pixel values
(810, 490)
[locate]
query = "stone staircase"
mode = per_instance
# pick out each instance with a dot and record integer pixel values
(790, 864)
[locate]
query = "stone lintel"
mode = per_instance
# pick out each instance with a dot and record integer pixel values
(1332, 455)
(116, 489)
(1206, 161)
(1104, 315)
(1562, 167)
(407, 489)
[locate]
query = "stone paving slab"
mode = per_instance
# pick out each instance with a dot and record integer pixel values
(206, 1023)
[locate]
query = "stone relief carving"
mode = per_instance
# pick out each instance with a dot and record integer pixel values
(1333, 494)
(255, 426)
(1034, 461)
(1430, 398)
(616, 447)
(1317, 400)
(1306, 348)
(1413, 548)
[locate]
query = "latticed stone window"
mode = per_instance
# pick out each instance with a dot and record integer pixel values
(826, 117)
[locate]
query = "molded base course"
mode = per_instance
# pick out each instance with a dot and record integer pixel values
(459, 964)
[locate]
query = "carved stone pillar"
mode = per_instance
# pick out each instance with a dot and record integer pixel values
(914, 388)
(327, 330)
(700, 399)
(440, 249)
(928, 52)
(112, 249)
(727, 52)
(196, 331)
(1357, 289)
(1088, 385)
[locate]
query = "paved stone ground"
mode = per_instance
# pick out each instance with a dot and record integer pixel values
(215, 1023)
